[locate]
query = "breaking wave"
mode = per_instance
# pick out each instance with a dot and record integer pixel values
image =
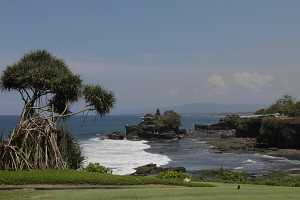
(122, 156)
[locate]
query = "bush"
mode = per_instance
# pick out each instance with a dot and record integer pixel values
(170, 174)
(69, 148)
(83, 177)
(96, 167)
(223, 175)
(231, 121)
(275, 178)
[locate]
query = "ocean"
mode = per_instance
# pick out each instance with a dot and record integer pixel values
(122, 156)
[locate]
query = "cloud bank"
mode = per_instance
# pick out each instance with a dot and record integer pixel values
(253, 81)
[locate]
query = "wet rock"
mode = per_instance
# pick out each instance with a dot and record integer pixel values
(153, 169)
(116, 136)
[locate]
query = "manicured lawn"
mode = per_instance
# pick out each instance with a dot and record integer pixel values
(156, 192)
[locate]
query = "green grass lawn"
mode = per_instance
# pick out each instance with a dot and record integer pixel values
(157, 192)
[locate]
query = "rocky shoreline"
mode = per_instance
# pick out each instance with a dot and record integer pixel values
(232, 144)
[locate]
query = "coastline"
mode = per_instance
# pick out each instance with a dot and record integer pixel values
(199, 152)
(246, 145)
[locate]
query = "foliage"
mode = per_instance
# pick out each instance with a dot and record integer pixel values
(82, 177)
(168, 121)
(69, 148)
(278, 178)
(100, 99)
(96, 167)
(44, 80)
(286, 105)
(231, 121)
(173, 174)
(171, 119)
(226, 123)
(228, 176)
(222, 175)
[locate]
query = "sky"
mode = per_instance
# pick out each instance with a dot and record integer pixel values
(154, 53)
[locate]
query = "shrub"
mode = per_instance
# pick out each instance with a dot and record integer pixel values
(170, 174)
(69, 148)
(82, 177)
(231, 121)
(222, 175)
(96, 167)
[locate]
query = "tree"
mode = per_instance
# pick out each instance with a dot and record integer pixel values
(295, 111)
(47, 88)
(172, 120)
(45, 83)
(284, 105)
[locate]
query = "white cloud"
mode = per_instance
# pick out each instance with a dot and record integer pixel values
(216, 82)
(255, 81)
(220, 83)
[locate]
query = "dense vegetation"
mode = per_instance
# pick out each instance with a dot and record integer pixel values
(96, 167)
(69, 148)
(286, 105)
(228, 176)
(83, 177)
(165, 178)
(172, 174)
(169, 120)
(165, 126)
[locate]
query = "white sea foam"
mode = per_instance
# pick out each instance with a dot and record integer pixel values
(281, 159)
(249, 161)
(238, 168)
(269, 157)
(122, 156)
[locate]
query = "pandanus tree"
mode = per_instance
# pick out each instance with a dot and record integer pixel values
(47, 88)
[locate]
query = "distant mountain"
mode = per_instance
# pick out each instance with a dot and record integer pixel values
(196, 108)
(214, 108)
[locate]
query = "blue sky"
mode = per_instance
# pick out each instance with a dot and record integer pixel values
(162, 52)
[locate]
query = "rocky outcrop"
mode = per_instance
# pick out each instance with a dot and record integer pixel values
(153, 169)
(140, 132)
(116, 136)
(157, 126)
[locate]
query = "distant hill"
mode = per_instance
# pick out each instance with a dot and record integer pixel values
(214, 108)
(197, 108)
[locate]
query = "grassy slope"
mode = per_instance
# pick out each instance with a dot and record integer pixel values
(76, 177)
(222, 191)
